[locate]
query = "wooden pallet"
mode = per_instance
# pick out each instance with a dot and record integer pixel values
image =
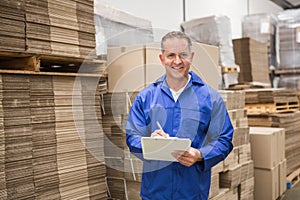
(49, 63)
(287, 71)
(293, 179)
(248, 85)
(276, 107)
(230, 69)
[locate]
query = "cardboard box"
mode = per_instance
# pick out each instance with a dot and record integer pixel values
(125, 68)
(282, 177)
(132, 68)
(206, 64)
(267, 146)
(154, 68)
(266, 184)
(281, 144)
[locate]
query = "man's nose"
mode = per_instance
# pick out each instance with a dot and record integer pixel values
(178, 59)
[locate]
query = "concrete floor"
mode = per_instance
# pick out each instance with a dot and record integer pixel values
(292, 193)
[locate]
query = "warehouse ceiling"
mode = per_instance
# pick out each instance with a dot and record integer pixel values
(287, 4)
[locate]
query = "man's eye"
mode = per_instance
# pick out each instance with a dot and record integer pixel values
(184, 55)
(171, 56)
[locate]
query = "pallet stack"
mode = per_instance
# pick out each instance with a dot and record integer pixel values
(277, 108)
(271, 100)
(52, 143)
(55, 27)
(52, 139)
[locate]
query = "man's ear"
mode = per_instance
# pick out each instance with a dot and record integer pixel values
(192, 55)
(161, 57)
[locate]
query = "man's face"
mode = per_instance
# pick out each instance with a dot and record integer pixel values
(176, 58)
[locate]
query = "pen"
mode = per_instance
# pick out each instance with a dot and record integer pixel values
(159, 126)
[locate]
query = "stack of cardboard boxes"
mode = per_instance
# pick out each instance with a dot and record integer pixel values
(268, 153)
(132, 68)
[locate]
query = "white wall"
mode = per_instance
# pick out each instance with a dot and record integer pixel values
(234, 9)
(167, 15)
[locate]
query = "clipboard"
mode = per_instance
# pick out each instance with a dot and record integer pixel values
(161, 148)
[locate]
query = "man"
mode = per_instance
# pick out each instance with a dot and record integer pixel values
(186, 107)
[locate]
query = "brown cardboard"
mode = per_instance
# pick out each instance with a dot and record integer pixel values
(263, 148)
(282, 177)
(266, 184)
(132, 68)
(267, 146)
(205, 63)
(125, 68)
(281, 144)
(154, 68)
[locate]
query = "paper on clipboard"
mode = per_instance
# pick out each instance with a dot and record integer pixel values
(161, 148)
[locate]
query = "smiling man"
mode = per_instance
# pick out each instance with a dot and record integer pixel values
(186, 107)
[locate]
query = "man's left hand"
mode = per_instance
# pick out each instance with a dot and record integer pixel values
(188, 158)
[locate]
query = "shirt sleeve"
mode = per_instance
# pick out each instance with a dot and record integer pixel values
(136, 128)
(218, 142)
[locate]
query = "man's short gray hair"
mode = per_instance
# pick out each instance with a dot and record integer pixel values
(178, 35)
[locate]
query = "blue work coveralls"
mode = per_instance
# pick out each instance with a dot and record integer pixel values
(200, 115)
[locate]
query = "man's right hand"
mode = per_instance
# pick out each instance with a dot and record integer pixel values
(159, 133)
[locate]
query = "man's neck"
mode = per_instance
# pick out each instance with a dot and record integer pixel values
(177, 84)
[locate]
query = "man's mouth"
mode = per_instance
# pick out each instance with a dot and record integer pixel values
(177, 68)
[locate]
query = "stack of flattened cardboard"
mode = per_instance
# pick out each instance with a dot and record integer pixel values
(114, 140)
(233, 99)
(93, 137)
(3, 191)
(64, 28)
(71, 159)
(37, 27)
(269, 95)
(18, 166)
(252, 57)
(277, 108)
(263, 28)
(52, 147)
(271, 100)
(114, 107)
(86, 26)
(123, 168)
(12, 25)
(235, 174)
(46, 178)
(72, 140)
